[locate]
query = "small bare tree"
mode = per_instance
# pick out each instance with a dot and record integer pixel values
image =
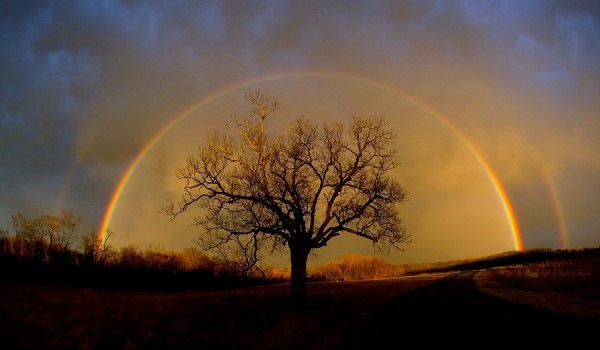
(59, 229)
(97, 250)
(300, 189)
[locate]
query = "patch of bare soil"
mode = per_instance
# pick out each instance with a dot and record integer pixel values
(583, 302)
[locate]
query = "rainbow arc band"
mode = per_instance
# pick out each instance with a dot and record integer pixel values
(559, 213)
(127, 174)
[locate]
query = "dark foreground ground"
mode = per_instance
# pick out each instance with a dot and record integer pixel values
(443, 311)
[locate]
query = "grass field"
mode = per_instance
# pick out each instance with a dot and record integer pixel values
(36, 316)
(565, 285)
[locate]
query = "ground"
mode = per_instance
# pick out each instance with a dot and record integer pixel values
(452, 310)
(565, 301)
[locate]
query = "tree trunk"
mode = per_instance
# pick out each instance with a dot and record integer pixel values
(299, 256)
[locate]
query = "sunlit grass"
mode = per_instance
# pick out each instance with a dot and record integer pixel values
(564, 285)
(569, 275)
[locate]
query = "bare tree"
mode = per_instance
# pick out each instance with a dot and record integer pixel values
(5, 244)
(258, 192)
(59, 229)
(19, 222)
(97, 250)
(30, 237)
(48, 234)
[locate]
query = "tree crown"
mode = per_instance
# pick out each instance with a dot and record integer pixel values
(300, 188)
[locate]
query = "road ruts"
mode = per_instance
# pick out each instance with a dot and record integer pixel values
(451, 313)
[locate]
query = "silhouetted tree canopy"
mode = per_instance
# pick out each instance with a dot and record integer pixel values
(259, 192)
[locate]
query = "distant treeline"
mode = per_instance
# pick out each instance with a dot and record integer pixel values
(504, 259)
(47, 250)
(128, 268)
(357, 267)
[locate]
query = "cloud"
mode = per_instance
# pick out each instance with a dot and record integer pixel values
(84, 85)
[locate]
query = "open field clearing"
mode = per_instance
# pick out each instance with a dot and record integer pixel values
(439, 309)
(75, 318)
(568, 286)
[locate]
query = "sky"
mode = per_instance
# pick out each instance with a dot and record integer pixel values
(496, 105)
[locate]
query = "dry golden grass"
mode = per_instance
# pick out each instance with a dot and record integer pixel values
(569, 285)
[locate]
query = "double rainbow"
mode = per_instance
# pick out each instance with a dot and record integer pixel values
(127, 174)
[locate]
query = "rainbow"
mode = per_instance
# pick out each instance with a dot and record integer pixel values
(559, 215)
(122, 183)
(61, 200)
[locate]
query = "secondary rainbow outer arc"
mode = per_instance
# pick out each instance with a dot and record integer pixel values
(122, 183)
(559, 213)
(61, 200)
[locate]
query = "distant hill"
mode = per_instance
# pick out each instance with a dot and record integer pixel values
(502, 259)
(360, 267)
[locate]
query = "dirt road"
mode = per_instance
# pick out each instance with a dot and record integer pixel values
(451, 313)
